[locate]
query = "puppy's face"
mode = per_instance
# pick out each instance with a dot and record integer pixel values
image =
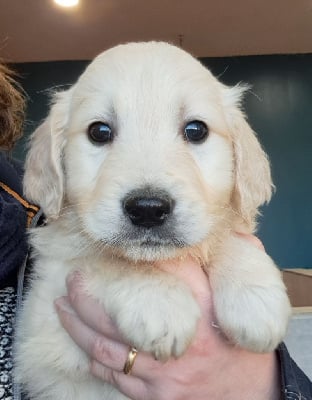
(149, 164)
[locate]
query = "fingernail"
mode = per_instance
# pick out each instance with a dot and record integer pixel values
(215, 325)
(73, 277)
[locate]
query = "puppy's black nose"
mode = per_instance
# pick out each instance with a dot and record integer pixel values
(148, 211)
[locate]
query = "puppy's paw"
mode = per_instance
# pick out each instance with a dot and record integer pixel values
(160, 319)
(250, 299)
(254, 317)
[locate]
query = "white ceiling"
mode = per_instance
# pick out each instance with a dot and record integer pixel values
(39, 30)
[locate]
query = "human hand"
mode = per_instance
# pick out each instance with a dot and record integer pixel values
(211, 368)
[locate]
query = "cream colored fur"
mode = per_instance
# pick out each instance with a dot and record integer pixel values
(147, 92)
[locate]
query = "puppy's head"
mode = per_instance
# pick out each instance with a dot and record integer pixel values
(150, 152)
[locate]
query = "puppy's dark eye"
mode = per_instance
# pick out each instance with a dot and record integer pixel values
(100, 133)
(196, 132)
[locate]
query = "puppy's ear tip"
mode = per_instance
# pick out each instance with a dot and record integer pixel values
(234, 96)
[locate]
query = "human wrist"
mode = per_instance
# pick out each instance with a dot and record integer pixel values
(247, 376)
(264, 379)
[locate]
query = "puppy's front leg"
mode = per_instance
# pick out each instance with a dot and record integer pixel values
(154, 311)
(250, 299)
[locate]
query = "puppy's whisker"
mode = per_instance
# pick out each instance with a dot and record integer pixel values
(53, 89)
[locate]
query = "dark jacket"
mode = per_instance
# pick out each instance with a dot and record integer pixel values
(295, 384)
(13, 220)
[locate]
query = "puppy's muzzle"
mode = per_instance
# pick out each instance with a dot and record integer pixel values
(148, 209)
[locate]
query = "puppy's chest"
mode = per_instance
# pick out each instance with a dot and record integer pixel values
(49, 275)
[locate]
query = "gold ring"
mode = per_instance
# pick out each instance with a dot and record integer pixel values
(130, 361)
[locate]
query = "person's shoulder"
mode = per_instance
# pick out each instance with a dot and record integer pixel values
(294, 380)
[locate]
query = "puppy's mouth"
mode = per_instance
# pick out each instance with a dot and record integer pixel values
(152, 243)
(162, 243)
(147, 238)
(146, 244)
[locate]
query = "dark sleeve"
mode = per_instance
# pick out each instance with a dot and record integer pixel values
(295, 384)
(11, 173)
(13, 220)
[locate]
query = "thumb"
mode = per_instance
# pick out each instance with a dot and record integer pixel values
(192, 274)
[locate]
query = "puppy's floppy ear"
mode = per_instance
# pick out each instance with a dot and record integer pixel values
(253, 183)
(44, 178)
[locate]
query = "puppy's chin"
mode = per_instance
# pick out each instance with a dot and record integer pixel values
(149, 253)
(138, 244)
(147, 249)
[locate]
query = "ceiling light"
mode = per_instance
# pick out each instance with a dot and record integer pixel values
(66, 3)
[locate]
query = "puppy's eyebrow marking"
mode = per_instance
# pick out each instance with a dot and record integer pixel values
(108, 115)
(181, 115)
(182, 112)
(112, 113)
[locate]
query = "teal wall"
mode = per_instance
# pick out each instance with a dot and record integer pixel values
(279, 108)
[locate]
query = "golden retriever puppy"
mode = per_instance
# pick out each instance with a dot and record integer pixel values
(147, 157)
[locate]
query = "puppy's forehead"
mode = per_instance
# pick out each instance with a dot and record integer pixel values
(144, 64)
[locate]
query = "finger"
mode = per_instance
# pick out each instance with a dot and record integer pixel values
(110, 353)
(252, 239)
(82, 303)
(130, 385)
(189, 270)
(192, 274)
(107, 351)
